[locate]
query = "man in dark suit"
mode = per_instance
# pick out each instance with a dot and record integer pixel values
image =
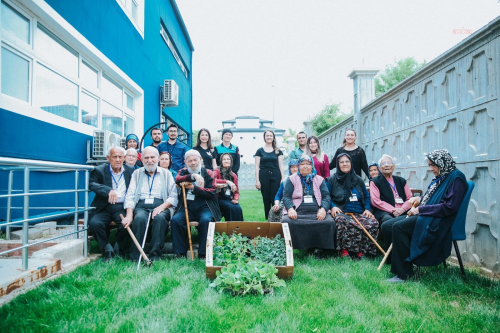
(109, 182)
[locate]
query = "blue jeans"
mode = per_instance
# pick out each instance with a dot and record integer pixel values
(180, 242)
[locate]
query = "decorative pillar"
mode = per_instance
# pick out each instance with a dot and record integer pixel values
(308, 128)
(290, 144)
(363, 80)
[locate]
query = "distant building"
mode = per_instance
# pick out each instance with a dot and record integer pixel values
(248, 135)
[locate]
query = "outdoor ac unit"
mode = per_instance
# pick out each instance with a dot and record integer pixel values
(103, 140)
(123, 143)
(170, 93)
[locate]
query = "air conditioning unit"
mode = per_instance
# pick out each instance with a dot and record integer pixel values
(170, 93)
(123, 143)
(103, 140)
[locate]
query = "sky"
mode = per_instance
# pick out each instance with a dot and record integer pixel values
(306, 50)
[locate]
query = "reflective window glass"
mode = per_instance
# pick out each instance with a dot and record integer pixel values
(88, 107)
(130, 101)
(129, 125)
(111, 118)
(112, 92)
(15, 75)
(15, 22)
(88, 75)
(57, 53)
(55, 94)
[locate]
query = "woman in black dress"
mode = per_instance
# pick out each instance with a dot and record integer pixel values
(357, 154)
(204, 147)
(268, 170)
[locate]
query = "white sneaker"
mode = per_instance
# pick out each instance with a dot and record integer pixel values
(395, 279)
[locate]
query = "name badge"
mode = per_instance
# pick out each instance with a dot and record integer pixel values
(190, 196)
(308, 199)
(149, 201)
(353, 197)
(228, 192)
(399, 201)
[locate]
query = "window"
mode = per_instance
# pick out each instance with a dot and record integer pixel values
(89, 109)
(15, 75)
(166, 37)
(15, 23)
(129, 125)
(55, 52)
(55, 94)
(130, 101)
(111, 90)
(134, 9)
(111, 118)
(89, 75)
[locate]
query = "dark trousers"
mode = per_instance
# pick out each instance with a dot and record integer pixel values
(180, 242)
(400, 230)
(158, 227)
(270, 180)
(100, 220)
(382, 219)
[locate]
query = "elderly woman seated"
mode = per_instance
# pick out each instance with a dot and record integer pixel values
(276, 211)
(228, 193)
(307, 201)
(389, 194)
(424, 238)
(349, 195)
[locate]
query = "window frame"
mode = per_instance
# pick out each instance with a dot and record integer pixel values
(30, 72)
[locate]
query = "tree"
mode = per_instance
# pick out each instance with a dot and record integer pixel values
(328, 117)
(395, 73)
(194, 137)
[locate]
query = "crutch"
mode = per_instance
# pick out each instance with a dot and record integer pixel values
(390, 247)
(366, 232)
(144, 239)
(187, 221)
(147, 262)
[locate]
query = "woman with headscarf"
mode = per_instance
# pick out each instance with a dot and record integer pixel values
(227, 189)
(307, 202)
(374, 170)
(349, 195)
(424, 238)
(132, 141)
(276, 212)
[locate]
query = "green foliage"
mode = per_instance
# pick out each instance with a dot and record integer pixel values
(194, 137)
(395, 73)
(328, 117)
(252, 277)
(237, 248)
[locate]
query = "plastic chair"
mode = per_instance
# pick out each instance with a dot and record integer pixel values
(458, 227)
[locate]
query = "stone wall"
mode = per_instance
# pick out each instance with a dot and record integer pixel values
(451, 103)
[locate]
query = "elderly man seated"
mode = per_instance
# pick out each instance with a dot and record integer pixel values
(131, 158)
(390, 195)
(152, 190)
(109, 182)
(201, 201)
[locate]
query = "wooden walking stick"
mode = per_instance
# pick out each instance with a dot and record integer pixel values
(366, 232)
(147, 262)
(187, 221)
(415, 204)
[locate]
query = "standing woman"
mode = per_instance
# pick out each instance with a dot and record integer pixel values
(356, 153)
(268, 170)
(204, 147)
(228, 193)
(320, 159)
(132, 141)
(349, 195)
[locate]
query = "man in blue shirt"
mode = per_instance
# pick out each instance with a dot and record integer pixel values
(174, 148)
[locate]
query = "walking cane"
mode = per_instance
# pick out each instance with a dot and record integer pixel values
(144, 239)
(366, 232)
(187, 221)
(147, 262)
(390, 247)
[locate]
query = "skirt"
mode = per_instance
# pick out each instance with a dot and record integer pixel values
(307, 232)
(230, 211)
(352, 238)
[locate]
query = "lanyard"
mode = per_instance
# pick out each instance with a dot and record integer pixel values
(434, 182)
(152, 183)
(393, 187)
(113, 177)
(307, 185)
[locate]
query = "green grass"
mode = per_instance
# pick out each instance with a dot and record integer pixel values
(324, 296)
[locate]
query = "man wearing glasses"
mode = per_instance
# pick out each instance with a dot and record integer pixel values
(176, 149)
(389, 194)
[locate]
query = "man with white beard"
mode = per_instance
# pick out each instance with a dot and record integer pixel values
(201, 201)
(152, 189)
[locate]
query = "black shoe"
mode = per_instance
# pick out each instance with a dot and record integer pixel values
(202, 256)
(155, 258)
(108, 253)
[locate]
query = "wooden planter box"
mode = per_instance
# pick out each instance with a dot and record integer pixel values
(252, 230)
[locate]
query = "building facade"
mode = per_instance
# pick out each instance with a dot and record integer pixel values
(71, 67)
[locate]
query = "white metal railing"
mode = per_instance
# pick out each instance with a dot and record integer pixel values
(12, 165)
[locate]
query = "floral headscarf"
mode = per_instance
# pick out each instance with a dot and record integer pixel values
(293, 161)
(444, 161)
(307, 179)
(226, 173)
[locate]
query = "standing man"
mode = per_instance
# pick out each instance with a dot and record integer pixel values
(227, 147)
(152, 189)
(302, 140)
(109, 182)
(174, 148)
(156, 135)
(202, 204)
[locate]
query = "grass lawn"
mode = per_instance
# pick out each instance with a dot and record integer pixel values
(323, 296)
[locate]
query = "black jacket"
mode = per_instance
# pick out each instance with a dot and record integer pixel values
(100, 183)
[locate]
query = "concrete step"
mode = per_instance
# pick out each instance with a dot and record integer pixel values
(68, 251)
